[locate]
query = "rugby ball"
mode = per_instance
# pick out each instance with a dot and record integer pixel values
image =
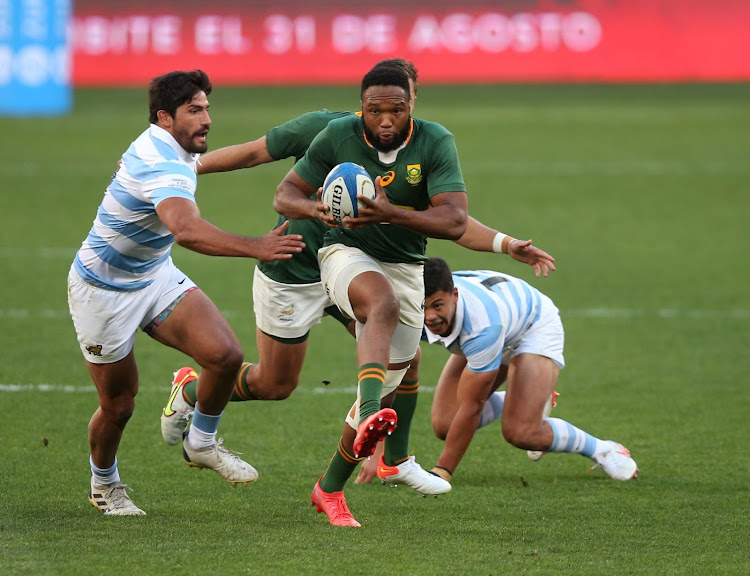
(341, 187)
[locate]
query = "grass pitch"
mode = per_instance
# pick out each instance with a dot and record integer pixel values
(641, 194)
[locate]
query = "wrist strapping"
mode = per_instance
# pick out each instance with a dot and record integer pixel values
(501, 243)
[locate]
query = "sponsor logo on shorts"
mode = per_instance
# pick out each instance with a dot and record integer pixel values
(94, 350)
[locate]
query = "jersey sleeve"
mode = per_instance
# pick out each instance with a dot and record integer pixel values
(171, 181)
(445, 169)
(291, 139)
(484, 351)
(315, 165)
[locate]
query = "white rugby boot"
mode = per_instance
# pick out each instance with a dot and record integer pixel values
(217, 458)
(615, 460)
(177, 412)
(413, 475)
(112, 500)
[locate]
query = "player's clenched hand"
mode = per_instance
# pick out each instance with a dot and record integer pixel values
(323, 212)
(371, 211)
(523, 251)
(277, 246)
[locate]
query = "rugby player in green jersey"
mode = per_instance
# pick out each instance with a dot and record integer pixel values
(371, 266)
(289, 300)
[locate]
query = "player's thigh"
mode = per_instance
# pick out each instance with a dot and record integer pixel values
(355, 281)
(115, 382)
(445, 401)
(279, 360)
(531, 380)
(287, 312)
(197, 328)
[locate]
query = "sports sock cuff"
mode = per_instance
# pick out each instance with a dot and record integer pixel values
(207, 423)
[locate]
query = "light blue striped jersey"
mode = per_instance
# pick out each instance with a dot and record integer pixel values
(493, 311)
(128, 243)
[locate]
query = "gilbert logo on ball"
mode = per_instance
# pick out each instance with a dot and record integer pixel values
(341, 187)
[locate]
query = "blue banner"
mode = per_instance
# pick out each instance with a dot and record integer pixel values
(35, 57)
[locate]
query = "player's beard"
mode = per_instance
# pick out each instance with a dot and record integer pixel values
(397, 141)
(187, 140)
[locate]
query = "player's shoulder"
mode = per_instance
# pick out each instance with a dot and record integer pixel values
(324, 116)
(428, 128)
(345, 121)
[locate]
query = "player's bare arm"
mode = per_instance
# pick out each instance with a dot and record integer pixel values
(293, 200)
(191, 231)
(235, 157)
(473, 390)
(445, 219)
(482, 238)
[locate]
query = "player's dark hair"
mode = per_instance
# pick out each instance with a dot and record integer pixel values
(406, 65)
(386, 76)
(437, 277)
(170, 91)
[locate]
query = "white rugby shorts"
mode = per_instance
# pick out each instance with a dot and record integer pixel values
(287, 310)
(106, 321)
(545, 337)
(340, 264)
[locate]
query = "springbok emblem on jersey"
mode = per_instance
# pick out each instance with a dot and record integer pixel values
(414, 173)
(94, 350)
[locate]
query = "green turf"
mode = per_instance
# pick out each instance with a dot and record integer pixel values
(641, 194)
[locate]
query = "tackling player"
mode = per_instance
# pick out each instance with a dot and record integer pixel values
(477, 315)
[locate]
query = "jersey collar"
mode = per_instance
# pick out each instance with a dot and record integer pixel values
(408, 136)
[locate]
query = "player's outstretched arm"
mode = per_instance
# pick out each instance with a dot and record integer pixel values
(235, 157)
(473, 390)
(482, 238)
(184, 221)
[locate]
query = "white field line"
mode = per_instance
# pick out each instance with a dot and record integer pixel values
(609, 313)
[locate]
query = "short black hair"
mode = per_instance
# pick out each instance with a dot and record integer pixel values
(437, 277)
(170, 91)
(386, 76)
(406, 65)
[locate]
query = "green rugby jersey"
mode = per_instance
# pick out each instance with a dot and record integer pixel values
(427, 165)
(288, 140)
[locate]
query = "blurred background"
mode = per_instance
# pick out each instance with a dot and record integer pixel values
(48, 47)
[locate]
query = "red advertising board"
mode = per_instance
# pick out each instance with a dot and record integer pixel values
(265, 42)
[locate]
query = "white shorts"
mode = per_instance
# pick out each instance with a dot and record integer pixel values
(106, 321)
(287, 310)
(545, 337)
(340, 264)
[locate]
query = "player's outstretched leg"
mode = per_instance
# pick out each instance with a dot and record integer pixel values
(412, 474)
(334, 506)
(177, 412)
(610, 456)
(372, 429)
